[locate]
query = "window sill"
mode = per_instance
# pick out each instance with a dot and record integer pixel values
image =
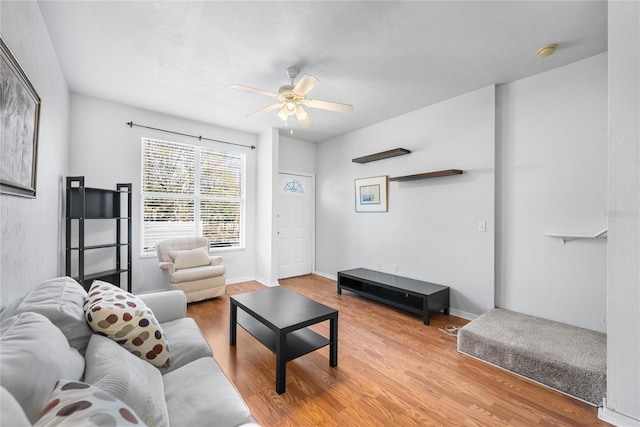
(212, 251)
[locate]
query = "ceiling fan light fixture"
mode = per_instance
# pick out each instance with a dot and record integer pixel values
(283, 114)
(303, 117)
(291, 108)
(301, 114)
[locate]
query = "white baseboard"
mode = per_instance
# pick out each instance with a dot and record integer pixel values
(240, 280)
(267, 282)
(463, 314)
(326, 276)
(612, 417)
(260, 280)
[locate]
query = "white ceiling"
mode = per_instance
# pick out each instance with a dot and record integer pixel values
(386, 58)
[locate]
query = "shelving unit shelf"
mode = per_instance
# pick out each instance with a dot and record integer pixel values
(96, 204)
(426, 175)
(382, 155)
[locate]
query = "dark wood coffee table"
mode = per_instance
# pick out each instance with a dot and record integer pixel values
(278, 318)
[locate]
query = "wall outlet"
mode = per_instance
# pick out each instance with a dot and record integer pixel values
(379, 266)
(395, 268)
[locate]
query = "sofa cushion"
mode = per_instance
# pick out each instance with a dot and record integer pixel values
(11, 411)
(210, 399)
(187, 342)
(130, 379)
(121, 316)
(75, 403)
(61, 300)
(196, 257)
(34, 354)
(166, 305)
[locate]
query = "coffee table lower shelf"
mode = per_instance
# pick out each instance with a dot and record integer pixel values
(299, 342)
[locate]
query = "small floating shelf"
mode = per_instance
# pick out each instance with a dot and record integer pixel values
(426, 175)
(382, 155)
(565, 237)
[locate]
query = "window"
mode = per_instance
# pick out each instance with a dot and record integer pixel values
(191, 190)
(293, 186)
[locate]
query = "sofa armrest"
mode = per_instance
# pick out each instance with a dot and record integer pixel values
(166, 305)
(215, 260)
(166, 265)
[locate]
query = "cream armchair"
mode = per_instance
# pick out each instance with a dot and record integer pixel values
(190, 269)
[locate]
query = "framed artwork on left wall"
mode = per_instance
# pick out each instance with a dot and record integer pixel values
(19, 123)
(371, 194)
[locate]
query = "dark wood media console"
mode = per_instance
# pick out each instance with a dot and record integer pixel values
(412, 295)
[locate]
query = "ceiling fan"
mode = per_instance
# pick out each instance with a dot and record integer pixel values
(291, 98)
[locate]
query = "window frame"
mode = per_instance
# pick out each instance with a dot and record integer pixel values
(196, 197)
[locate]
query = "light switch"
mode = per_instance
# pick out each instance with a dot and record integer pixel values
(482, 226)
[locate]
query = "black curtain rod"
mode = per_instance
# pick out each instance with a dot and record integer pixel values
(199, 137)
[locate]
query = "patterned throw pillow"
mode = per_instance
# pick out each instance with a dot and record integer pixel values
(74, 403)
(119, 315)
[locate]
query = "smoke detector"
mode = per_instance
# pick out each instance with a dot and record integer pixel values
(547, 50)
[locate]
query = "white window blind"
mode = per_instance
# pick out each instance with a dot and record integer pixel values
(191, 190)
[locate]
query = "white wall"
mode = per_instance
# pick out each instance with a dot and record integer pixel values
(267, 171)
(106, 151)
(551, 176)
(297, 156)
(31, 235)
(623, 278)
(430, 231)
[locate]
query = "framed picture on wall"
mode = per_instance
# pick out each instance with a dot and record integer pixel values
(19, 121)
(371, 194)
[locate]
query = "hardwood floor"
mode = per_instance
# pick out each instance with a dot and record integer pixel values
(392, 371)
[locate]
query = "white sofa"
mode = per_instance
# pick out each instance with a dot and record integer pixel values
(190, 268)
(45, 342)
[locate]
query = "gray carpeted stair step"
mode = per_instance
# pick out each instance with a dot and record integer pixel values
(564, 357)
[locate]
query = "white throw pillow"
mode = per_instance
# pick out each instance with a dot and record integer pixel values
(135, 382)
(60, 300)
(127, 320)
(197, 257)
(34, 354)
(74, 403)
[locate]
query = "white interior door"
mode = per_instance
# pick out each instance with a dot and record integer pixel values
(295, 225)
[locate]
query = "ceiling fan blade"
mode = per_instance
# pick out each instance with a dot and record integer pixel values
(303, 117)
(253, 90)
(265, 110)
(327, 105)
(305, 85)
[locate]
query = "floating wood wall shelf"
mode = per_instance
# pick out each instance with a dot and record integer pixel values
(382, 155)
(426, 175)
(565, 237)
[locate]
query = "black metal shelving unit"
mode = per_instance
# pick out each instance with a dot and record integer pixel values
(93, 204)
